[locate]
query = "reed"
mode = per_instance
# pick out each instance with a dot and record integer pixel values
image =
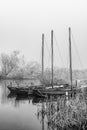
(70, 113)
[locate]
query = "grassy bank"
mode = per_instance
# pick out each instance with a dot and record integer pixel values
(68, 114)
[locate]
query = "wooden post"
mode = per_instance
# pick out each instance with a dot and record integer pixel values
(52, 56)
(70, 58)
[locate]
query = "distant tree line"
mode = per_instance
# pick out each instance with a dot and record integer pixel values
(13, 66)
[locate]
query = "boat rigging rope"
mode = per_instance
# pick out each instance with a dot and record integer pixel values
(58, 49)
(40, 57)
(67, 65)
(49, 55)
(73, 39)
(59, 53)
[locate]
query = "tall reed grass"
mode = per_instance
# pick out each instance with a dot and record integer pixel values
(70, 113)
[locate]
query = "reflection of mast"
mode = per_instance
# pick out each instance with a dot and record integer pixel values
(50, 113)
(42, 116)
(57, 108)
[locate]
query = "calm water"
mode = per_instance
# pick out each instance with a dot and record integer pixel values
(19, 113)
(26, 113)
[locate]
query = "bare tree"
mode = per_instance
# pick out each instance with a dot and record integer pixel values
(9, 62)
(32, 69)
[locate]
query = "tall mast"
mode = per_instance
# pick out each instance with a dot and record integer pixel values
(42, 79)
(70, 57)
(52, 55)
(42, 56)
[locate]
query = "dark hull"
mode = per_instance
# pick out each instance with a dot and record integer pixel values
(18, 91)
(52, 91)
(38, 93)
(12, 89)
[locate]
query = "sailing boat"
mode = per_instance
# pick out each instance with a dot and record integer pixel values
(58, 90)
(46, 90)
(41, 92)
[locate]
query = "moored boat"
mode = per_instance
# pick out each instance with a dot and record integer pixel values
(19, 90)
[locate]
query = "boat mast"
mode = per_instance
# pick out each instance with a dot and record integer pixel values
(42, 57)
(52, 55)
(42, 79)
(70, 57)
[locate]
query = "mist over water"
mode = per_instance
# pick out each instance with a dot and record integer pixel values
(17, 113)
(32, 113)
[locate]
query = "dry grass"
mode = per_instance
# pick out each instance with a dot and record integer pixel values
(69, 113)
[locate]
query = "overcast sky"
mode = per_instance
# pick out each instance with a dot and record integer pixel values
(22, 23)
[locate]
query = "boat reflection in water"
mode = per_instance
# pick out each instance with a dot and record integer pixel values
(50, 113)
(46, 108)
(47, 112)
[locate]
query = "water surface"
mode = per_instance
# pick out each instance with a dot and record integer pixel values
(28, 113)
(18, 113)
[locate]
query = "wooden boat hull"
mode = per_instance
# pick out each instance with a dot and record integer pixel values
(52, 91)
(38, 93)
(12, 89)
(18, 91)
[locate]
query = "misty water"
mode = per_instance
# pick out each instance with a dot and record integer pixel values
(19, 113)
(24, 113)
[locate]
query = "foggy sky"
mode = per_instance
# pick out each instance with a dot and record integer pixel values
(22, 23)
